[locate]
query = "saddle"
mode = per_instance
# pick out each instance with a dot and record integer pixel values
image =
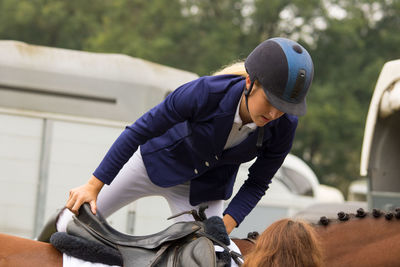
(181, 244)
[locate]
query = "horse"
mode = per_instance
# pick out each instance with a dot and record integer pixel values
(20, 252)
(91, 238)
(354, 240)
(360, 239)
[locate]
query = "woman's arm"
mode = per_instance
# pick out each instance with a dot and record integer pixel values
(185, 103)
(229, 222)
(263, 170)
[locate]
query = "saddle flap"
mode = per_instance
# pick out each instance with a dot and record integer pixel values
(199, 252)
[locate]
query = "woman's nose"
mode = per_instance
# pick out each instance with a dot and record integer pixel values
(274, 113)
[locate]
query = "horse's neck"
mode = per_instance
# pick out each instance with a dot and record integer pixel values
(244, 245)
(361, 242)
(355, 230)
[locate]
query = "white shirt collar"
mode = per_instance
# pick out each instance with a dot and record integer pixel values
(252, 126)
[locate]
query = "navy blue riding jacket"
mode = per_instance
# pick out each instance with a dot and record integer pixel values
(182, 139)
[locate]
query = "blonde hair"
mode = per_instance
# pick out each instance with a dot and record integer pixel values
(286, 243)
(236, 68)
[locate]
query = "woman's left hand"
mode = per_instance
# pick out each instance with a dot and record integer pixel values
(229, 222)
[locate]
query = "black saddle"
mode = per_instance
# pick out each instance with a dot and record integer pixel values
(181, 244)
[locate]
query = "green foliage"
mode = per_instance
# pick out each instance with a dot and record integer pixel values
(203, 35)
(65, 24)
(348, 58)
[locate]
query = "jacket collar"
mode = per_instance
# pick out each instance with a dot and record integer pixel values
(227, 110)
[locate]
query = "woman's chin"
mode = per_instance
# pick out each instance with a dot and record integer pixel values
(261, 123)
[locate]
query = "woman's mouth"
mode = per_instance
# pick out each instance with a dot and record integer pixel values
(265, 119)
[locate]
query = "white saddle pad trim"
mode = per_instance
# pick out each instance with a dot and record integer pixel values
(69, 261)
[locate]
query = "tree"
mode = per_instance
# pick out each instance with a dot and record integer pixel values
(65, 24)
(349, 42)
(348, 57)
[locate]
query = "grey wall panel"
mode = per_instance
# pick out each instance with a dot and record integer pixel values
(76, 151)
(20, 145)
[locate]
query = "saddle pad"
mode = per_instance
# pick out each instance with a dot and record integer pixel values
(215, 227)
(85, 249)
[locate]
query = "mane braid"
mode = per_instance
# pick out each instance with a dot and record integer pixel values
(376, 213)
(361, 213)
(397, 214)
(343, 216)
(253, 235)
(389, 216)
(324, 220)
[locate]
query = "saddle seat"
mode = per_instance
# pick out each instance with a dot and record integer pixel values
(97, 226)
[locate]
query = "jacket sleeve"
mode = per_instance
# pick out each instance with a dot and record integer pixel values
(185, 103)
(261, 173)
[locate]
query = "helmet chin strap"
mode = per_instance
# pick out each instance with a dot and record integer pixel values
(247, 93)
(260, 136)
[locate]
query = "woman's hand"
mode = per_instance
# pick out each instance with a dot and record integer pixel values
(85, 193)
(229, 222)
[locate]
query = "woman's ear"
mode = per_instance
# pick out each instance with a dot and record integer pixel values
(248, 82)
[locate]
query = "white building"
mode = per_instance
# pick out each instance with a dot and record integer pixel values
(60, 111)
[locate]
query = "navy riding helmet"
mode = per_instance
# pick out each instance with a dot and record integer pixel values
(285, 70)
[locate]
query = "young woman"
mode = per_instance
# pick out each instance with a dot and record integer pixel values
(286, 243)
(189, 147)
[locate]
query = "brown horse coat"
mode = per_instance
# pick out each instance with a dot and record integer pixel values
(366, 241)
(22, 252)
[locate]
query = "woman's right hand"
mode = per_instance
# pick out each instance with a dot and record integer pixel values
(84, 193)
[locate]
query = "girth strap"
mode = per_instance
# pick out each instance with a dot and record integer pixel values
(159, 253)
(238, 258)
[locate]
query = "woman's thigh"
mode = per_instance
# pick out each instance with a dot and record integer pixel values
(131, 183)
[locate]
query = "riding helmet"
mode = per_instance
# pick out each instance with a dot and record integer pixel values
(285, 70)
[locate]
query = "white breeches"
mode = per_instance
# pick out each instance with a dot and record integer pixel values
(132, 183)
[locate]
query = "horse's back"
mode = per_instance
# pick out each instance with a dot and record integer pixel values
(17, 251)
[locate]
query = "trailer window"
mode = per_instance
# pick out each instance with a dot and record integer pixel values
(295, 182)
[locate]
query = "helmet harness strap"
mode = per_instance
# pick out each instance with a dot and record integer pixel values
(260, 136)
(247, 93)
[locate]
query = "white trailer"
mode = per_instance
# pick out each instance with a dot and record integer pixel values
(380, 162)
(60, 110)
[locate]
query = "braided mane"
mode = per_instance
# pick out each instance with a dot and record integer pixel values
(376, 213)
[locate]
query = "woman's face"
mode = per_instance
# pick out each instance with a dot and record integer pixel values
(261, 111)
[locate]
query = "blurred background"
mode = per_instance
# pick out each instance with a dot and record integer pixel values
(349, 41)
